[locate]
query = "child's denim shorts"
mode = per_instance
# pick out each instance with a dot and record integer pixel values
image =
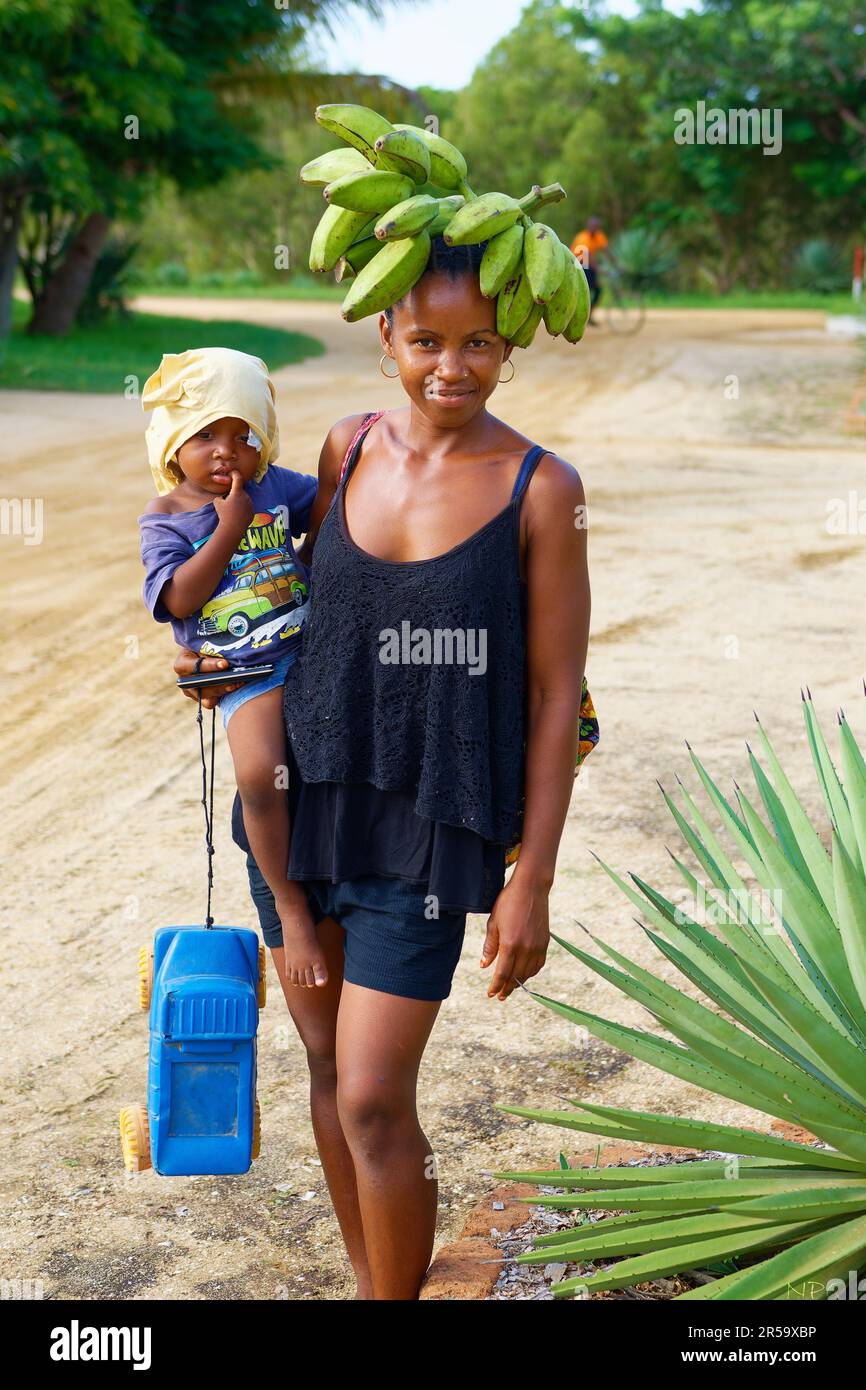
(235, 698)
(390, 944)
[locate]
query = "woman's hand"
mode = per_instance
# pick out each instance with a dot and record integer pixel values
(184, 665)
(517, 934)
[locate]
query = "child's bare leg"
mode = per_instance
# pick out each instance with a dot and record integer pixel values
(257, 740)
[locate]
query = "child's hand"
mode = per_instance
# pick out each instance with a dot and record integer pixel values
(235, 510)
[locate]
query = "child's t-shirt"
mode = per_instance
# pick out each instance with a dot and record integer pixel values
(258, 609)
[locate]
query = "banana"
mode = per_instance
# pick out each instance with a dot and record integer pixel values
(514, 303)
(356, 125)
(359, 254)
(447, 208)
(447, 165)
(543, 265)
(333, 165)
(483, 218)
(574, 329)
(559, 309)
(527, 330)
(337, 229)
(387, 277)
(407, 218)
(500, 260)
(403, 153)
(435, 190)
(369, 190)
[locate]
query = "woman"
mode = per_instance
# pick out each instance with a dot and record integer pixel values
(417, 758)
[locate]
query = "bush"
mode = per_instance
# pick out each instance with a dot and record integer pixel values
(109, 283)
(644, 257)
(822, 267)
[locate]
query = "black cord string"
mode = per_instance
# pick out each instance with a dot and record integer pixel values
(208, 808)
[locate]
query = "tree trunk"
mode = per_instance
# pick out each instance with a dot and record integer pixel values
(55, 313)
(11, 210)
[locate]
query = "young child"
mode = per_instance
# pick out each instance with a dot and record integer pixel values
(221, 568)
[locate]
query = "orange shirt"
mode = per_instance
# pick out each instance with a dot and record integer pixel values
(590, 242)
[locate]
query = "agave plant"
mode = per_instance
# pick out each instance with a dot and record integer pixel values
(822, 267)
(644, 257)
(782, 1029)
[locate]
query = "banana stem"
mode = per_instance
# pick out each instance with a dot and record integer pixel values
(463, 187)
(550, 193)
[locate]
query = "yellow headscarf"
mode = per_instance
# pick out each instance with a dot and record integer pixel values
(191, 389)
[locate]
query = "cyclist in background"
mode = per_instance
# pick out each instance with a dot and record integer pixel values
(587, 246)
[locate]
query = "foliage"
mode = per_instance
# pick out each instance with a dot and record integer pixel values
(821, 266)
(584, 92)
(783, 1031)
(104, 101)
(106, 292)
(644, 256)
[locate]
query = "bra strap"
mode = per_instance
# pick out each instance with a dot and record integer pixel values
(527, 468)
(355, 444)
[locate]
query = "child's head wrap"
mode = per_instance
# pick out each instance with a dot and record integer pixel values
(190, 390)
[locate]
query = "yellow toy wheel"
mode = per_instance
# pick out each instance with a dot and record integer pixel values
(145, 976)
(263, 977)
(135, 1138)
(257, 1131)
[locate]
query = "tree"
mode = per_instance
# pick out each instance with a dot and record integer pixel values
(99, 99)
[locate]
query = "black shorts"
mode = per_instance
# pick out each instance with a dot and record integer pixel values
(393, 940)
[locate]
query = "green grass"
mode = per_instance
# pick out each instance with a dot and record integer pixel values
(757, 299)
(298, 287)
(101, 358)
(324, 287)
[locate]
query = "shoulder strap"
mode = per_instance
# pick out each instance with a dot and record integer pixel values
(527, 468)
(355, 443)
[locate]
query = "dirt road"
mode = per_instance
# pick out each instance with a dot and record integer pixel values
(710, 446)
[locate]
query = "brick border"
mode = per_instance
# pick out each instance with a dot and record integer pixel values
(462, 1269)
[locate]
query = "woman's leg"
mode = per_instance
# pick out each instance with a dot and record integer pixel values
(315, 1017)
(314, 1013)
(380, 1041)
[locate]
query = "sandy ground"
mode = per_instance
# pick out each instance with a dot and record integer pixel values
(717, 590)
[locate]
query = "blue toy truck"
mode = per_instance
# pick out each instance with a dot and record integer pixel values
(203, 988)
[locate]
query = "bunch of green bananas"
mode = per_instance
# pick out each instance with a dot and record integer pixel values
(391, 188)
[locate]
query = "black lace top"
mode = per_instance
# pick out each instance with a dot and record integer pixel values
(412, 676)
(347, 830)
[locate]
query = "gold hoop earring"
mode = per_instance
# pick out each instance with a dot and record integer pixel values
(506, 380)
(388, 375)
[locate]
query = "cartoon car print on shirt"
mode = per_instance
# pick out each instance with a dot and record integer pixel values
(256, 593)
(263, 591)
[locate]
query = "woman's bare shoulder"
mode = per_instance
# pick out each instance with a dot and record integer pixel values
(338, 439)
(343, 431)
(555, 484)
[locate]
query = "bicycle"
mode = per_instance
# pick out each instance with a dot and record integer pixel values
(623, 305)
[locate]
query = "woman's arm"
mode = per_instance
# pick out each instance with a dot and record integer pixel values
(557, 638)
(330, 462)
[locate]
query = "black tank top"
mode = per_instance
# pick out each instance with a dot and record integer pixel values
(406, 711)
